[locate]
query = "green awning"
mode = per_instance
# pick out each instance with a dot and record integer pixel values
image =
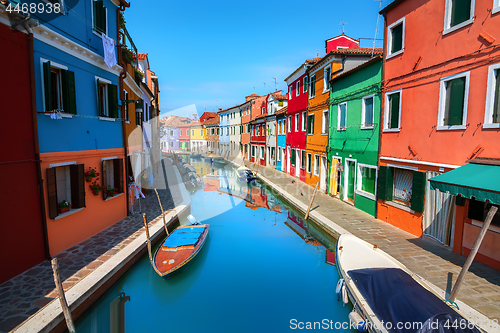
(480, 181)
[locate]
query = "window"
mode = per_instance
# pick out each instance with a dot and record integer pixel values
(303, 159)
(289, 124)
(458, 13)
(292, 162)
(296, 122)
(453, 99)
(479, 209)
(99, 17)
(402, 185)
(310, 124)
(138, 115)
(396, 38)
(304, 84)
(309, 162)
(326, 78)
(492, 113)
(112, 175)
(59, 88)
(263, 110)
(366, 180)
(180, 132)
(280, 102)
(253, 151)
(246, 148)
(171, 133)
(297, 89)
(271, 108)
(262, 152)
(65, 183)
(192, 132)
(201, 132)
(325, 123)
(392, 111)
(342, 116)
(304, 121)
(496, 9)
(107, 98)
(272, 152)
(125, 94)
(171, 144)
(312, 88)
(290, 91)
(279, 154)
(367, 112)
(258, 130)
(316, 165)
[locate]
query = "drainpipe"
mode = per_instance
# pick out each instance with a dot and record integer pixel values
(123, 74)
(34, 116)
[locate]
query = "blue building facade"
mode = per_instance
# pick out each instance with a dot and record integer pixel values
(224, 131)
(79, 119)
(281, 139)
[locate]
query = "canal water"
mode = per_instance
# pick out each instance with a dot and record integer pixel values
(262, 269)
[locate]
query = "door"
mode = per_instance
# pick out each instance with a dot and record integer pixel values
(323, 175)
(283, 159)
(349, 181)
(288, 162)
(334, 180)
(297, 163)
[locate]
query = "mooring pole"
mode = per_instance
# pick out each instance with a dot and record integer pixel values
(162, 212)
(62, 298)
(257, 169)
(312, 199)
(473, 252)
(147, 236)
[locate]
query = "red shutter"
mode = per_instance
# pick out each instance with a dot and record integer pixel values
(52, 192)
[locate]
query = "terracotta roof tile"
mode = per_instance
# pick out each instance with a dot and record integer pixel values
(313, 60)
(142, 56)
(358, 51)
(280, 96)
(282, 111)
(211, 121)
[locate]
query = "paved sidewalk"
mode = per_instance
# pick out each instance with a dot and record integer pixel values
(27, 293)
(430, 260)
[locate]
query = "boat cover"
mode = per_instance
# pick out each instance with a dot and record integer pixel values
(183, 237)
(397, 299)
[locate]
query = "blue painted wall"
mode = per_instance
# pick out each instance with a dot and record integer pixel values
(280, 139)
(84, 131)
(224, 124)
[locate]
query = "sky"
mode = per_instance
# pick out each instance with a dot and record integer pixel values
(209, 55)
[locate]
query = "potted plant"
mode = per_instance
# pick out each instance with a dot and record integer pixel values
(138, 76)
(91, 173)
(64, 206)
(111, 191)
(95, 188)
(128, 55)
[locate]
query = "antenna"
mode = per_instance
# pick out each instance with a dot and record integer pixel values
(264, 87)
(254, 90)
(344, 23)
(274, 83)
(317, 53)
(376, 28)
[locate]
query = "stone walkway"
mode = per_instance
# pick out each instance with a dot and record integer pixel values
(430, 260)
(25, 294)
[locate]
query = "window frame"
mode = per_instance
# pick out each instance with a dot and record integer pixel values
(496, 7)
(363, 112)
(306, 81)
(316, 165)
(447, 17)
(389, 38)
(296, 127)
(359, 179)
(309, 163)
(339, 128)
(304, 124)
(325, 122)
(442, 102)
(490, 95)
(97, 32)
(312, 127)
(386, 110)
(297, 88)
(312, 86)
(326, 82)
(290, 91)
(289, 124)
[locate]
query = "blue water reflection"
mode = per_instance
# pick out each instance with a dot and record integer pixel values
(261, 267)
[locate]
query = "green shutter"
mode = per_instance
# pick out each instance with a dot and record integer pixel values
(52, 192)
(68, 91)
(385, 183)
(394, 110)
(99, 16)
(455, 96)
(77, 185)
(418, 191)
(397, 38)
(99, 111)
(47, 85)
(113, 100)
(496, 101)
(460, 11)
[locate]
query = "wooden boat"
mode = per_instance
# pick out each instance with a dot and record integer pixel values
(245, 174)
(385, 293)
(220, 162)
(195, 155)
(179, 249)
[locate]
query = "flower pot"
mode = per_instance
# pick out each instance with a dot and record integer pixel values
(63, 210)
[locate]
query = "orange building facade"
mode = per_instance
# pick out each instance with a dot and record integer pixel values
(437, 114)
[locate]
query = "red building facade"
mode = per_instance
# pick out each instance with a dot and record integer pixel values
(258, 131)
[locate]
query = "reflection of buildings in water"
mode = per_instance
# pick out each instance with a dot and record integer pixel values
(117, 313)
(299, 226)
(210, 184)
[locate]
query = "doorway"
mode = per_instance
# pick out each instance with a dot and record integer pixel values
(349, 180)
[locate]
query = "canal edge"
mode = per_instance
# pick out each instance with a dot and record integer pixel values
(82, 295)
(337, 230)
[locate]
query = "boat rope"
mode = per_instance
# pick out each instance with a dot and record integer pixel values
(452, 304)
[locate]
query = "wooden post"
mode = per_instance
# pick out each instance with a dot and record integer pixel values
(257, 169)
(62, 298)
(162, 212)
(473, 252)
(147, 236)
(312, 199)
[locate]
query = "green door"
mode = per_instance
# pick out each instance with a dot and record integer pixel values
(350, 180)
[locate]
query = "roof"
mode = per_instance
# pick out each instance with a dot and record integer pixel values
(253, 95)
(280, 96)
(481, 181)
(355, 69)
(175, 121)
(343, 35)
(209, 114)
(142, 56)
(282, 111)
(390, 6)
(312, 60)
(211, 121)
(358, 51)
(308, 62)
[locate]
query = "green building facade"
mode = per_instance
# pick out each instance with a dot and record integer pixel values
(353, 142)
